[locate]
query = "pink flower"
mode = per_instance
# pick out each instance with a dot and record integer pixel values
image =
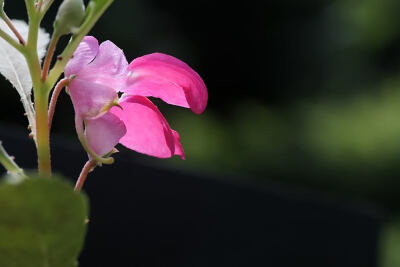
(99, 73)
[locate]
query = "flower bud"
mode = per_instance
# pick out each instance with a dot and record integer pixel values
(69, 16)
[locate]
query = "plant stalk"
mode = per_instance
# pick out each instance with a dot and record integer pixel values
(89, 166)
(41, 95)
(54, 97)
(11, 41)
(42, 132)
(49, 56)
(7, 20)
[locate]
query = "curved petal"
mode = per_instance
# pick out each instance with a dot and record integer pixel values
(104, 133)
(147, 130)
(91, 100)
(109, 67)
(168, 78)
(178, 146)
(83, 55)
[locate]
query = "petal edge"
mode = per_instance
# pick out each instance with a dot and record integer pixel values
(148, 131)
(166, 77)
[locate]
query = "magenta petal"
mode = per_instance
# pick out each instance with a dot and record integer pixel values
(109, 67)
(91, 100)
(168, 78)
(104, 133)
(147, 130)
(178, 146)
(83, 55)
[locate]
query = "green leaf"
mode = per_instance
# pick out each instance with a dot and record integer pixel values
(42, 223)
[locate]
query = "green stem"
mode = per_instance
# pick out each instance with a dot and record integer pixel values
(8, 162)
(11, 41)
(31, 55)
(41, 97)
(45, 7)
(30, 8)
(42, 131)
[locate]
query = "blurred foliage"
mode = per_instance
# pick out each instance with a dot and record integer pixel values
(353, 133)
(42, 223)
(390, 244)
(370, 24)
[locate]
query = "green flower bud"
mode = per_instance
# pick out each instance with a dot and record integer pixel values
(69, 16)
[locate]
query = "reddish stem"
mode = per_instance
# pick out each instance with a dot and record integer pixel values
(53, 102)
(13, 29)
(90, 164)
(49, 57)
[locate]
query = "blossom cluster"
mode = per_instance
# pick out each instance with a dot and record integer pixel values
(110, 98)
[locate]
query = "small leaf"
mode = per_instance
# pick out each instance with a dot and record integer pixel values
(42, 223)
(14, 67)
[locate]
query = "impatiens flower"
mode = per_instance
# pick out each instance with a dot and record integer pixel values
(99, 72)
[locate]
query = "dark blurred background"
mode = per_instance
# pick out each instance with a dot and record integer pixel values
(303, 93)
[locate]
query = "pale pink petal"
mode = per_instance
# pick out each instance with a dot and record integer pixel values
(104, 133)
(147, 130)
(83, 55)
(109, 67)
(91, 100)
(168, 78)
(178, 146)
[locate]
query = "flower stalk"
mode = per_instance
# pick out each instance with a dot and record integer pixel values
(49, 56)
(87, 168)
(53, 102)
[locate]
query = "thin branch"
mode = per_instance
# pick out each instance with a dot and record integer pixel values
(89, 166)
(30, 8)
(45, 7)
(49, 56)
(53, 102)
(7, 20)
(11, 41)
(8, 162)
